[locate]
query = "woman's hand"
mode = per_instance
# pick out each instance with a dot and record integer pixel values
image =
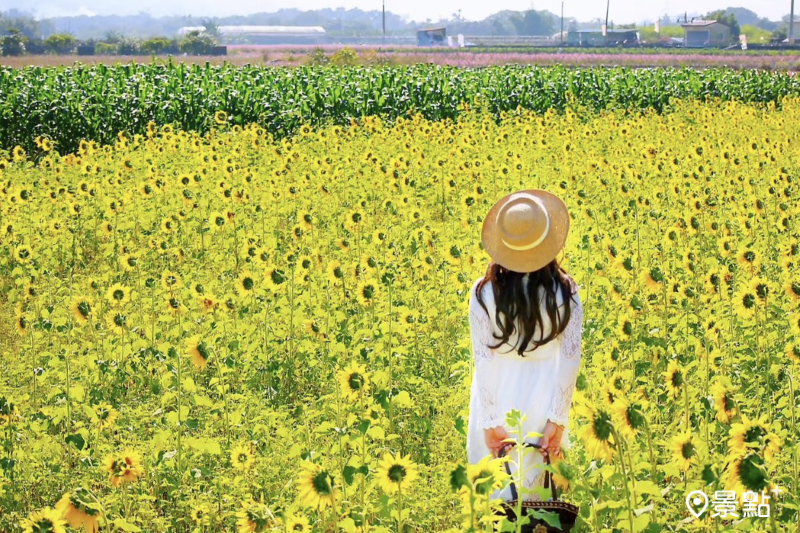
(550, 441)
(494, 439)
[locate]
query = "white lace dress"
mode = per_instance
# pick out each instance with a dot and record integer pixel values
(539, 385)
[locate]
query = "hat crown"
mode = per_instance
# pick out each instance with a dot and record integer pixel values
(523, 221)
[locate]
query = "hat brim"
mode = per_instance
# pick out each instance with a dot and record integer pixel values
(542, 254)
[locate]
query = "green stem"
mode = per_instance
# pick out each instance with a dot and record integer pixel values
(625, 476)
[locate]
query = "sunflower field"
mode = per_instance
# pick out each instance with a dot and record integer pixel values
(226, 331)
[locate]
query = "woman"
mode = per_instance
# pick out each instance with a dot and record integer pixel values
(526, 356)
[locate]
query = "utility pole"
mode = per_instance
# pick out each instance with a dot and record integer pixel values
(608, 5)
(791, 24)
(562, 21)
(384, 22)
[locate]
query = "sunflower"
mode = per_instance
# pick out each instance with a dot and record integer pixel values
(297, 523)
(745, 300)
(81, 308)
(624, 326)
(170, 281)
(105, 415)
(198, 350)
(275, 278)
(792, 351)
(21, 321)
(629, 416)
(684, 450)
(305, 262)
(749, 259)
(396, 473)
(128, 262)
(762, 288)
(220, 117)
(201, 514)
(316, 487)
(746, 471)
(118, 295)
(117, 321)
(246, 284)
(653, 279)
(174, 305)
(45, 521)
(598, 433)
(674, 378)
(217, 221)
(754, 434)
(242, 457)
(724, 404)
(354, 381)
(254, 517)
(335, 272)
(312, 327)
(124, 467)
(711, 327)
(263, 255)
(792, 289)
(365, 293)
(80, 510)
(23, 254)
(487, 475)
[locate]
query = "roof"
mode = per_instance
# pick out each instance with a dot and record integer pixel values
(432, 29)
(632, 30)
(702, 23)
(260, 30)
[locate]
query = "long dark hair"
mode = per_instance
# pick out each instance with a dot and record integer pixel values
(509, 290)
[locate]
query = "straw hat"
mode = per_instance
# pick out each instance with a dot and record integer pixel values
(525, 230)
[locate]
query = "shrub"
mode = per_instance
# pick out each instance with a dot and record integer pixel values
(60, 43)
(317, 57)
(345, 57)
(197, 43)
(157, 45)
(14, 43)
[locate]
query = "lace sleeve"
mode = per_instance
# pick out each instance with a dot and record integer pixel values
(486, 374)
(568, 365)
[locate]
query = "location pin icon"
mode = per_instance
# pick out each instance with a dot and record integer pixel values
(694, 500)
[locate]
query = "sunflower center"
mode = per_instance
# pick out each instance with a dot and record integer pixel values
(118, 294)
(796, 288)
(84, 309)
(751, 472)
(749, 301)
(687, 450)
(397, 473)
(322, 484)
(277, 277)
(677, 378)
(356, 381)
(656, 274)
(754, 434)
(602, 426)
(248, 284)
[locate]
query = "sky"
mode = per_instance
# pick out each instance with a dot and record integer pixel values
(621, 11)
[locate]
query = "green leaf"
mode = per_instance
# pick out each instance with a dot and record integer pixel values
(461, 426)
(458, 478)
(77, 440)
(551, 517)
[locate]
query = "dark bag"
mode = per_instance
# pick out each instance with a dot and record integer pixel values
(567, 512)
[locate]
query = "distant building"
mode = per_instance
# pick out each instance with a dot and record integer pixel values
(701, 33)
(596, 38)
(266, 34)
(432, 37)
